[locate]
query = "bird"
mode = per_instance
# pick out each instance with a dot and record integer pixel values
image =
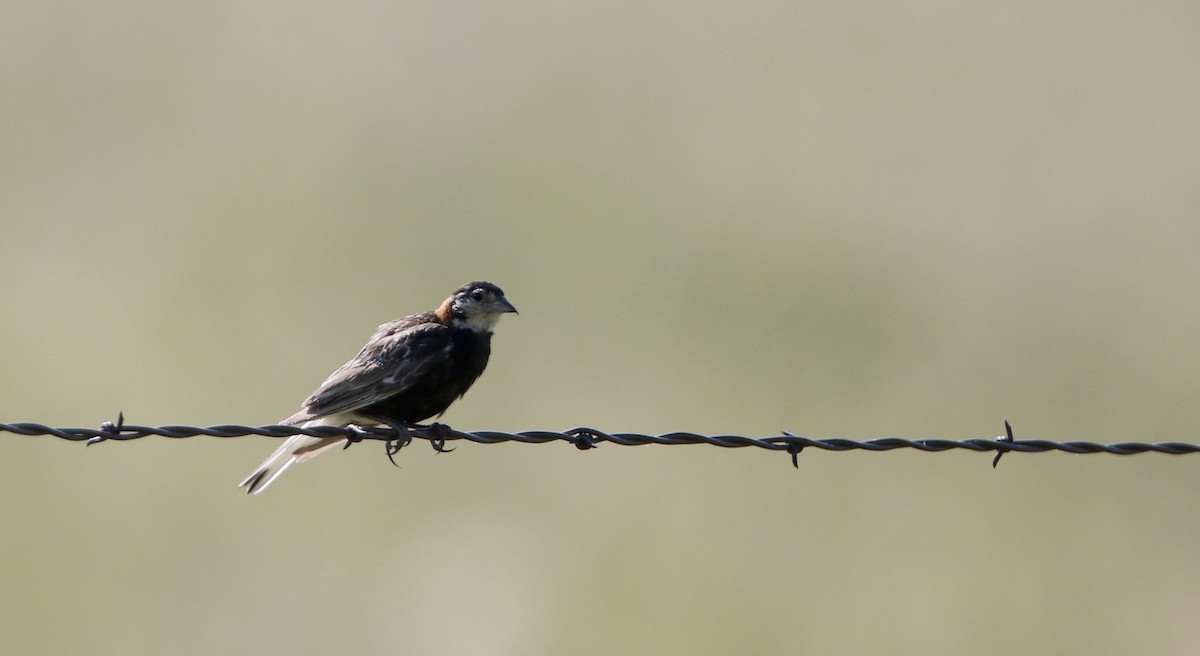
(411, 369)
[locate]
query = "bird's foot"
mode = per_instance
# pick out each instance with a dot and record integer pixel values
(440, 432)
(403, 438)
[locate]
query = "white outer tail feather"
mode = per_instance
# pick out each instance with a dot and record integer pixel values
(296, 448)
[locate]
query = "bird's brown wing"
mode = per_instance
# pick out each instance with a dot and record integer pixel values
(398, 355)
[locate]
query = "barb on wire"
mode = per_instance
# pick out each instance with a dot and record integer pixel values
(589, 438)
(1002, 442)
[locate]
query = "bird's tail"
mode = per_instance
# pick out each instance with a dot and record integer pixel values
(296, 448)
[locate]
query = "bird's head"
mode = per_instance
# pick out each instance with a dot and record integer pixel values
(475, 306)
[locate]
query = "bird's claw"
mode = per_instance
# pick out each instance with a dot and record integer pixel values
(441, 432)
(403, 438)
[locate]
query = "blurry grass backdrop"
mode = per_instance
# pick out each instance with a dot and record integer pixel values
(841, 219)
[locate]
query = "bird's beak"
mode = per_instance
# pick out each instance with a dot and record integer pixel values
(505, 306)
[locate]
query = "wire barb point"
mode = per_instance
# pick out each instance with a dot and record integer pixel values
(110, 429)
(356, 435)
(794, 447)
(1001, 443)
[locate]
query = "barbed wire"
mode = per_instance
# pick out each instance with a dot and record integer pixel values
(587, 438)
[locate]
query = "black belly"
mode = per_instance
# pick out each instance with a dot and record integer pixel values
(441, 385)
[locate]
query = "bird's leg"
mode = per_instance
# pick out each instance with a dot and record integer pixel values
(403, 438)
(441, 431)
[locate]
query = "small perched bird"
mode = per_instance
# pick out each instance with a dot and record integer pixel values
(411, 369)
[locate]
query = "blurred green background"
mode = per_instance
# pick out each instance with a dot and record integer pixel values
(841, 219)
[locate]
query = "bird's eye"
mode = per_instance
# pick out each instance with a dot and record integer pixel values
(477, 295)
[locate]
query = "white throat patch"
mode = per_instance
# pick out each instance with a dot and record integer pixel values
(481, 322)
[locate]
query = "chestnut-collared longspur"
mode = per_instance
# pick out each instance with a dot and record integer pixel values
(411, 369)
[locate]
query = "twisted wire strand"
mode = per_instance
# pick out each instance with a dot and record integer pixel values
(586, 438)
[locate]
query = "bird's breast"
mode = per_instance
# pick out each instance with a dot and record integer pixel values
(469, 352)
